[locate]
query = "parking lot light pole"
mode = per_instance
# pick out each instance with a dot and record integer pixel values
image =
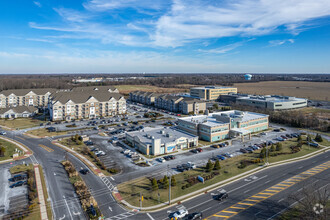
(169, 188)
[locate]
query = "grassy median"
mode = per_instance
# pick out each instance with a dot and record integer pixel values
(20, 123)
(7, 149)
(186, 181)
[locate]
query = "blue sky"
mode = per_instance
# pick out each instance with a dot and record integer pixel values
(164, 36)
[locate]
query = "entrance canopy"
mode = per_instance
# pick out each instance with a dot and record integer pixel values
(240, 131)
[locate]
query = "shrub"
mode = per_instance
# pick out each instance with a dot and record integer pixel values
(279, 146)
(154, 184)
(217, 165)
(318, 138)
(209, 166)
(173, 181)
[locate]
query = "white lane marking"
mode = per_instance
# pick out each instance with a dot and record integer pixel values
(76, 213)
(257, 213)
(267, 181)
(150, 216)
(246, 184)
(110, 208)
(300, 167)
(247, 191)
(207, 209)
(112, 178)
(67, 206)
(299, 189)
(314, 162)
(62, 218)
(280, 200)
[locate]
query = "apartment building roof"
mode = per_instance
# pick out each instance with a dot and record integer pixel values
(167, 135)
(189, 100)
(19, 109)
(84, 96)
(22, 92)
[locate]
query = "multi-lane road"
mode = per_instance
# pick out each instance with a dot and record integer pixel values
(267, 206)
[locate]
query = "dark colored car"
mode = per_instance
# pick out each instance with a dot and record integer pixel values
(172, 157)
(277, 130)
(243, 150)
(195, 215)
(250, 150)
(18, 177)
(167, 158)
(199, 150)
(194, 151)
(221, 157)
(221, 196)
(17, 184)
(84, 171)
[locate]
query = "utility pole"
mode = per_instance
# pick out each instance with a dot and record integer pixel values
(141, 198)
(169, 188)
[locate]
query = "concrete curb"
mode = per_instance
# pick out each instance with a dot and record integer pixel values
(41, 197)
(27, 151)
(222, 183)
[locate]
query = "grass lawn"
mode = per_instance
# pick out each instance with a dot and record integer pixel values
(10, 149)
(79, 149)
(20, 123)
(130, 191)
(20, 168)
(41, 132)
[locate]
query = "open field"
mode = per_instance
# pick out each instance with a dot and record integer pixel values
(10, 149)
(310, 90)
(126, 89)
(130, 191)
(20, 123)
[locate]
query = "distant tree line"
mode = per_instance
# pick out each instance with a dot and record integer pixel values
(63, 81)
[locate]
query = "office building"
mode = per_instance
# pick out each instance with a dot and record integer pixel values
(161, 140)
(211, 92)
(224, 125)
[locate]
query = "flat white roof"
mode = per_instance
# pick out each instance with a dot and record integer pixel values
(214, 87)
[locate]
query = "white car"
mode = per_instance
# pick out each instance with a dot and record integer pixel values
(179, 214)
(162, 160)
(2, 133)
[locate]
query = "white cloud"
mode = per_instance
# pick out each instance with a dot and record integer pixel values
(186, 21)
(191, 20)
(274, 43)
(224, 49)
(37, 4)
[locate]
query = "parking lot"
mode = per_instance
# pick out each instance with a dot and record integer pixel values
(11, 199)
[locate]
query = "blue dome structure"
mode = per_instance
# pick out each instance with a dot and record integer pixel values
(247, 76)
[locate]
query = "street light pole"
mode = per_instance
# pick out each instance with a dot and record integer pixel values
(169, 191)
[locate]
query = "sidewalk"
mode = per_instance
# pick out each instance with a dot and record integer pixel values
(222, 183)
(41, 197)
(96, 170)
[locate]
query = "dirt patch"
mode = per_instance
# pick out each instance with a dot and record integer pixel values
(309, 90)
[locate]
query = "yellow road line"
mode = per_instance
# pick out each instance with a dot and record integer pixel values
(223, 216)
(264, 197)
(21, 138)
(276, 188)
(228, 211)
(46, 148)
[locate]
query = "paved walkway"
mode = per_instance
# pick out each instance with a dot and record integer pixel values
(41, 197)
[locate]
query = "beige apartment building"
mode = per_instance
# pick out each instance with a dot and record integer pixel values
(25, 97)
(85, 104)
(211, 92)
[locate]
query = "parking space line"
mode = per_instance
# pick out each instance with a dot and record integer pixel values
(229, 211)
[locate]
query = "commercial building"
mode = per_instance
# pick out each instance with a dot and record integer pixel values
(161, 140)
(25, 97)
(271, 102)
(211, 92)
(18, 112)
(77, 104)
(169, 102)
(224, 125)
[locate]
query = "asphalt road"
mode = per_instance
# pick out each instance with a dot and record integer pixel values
(65, 203)
(250, 186)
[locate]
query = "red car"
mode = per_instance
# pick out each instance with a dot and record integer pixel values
(200, 150)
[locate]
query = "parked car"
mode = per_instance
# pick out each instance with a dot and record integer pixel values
(243, 150)
(221, 157)
(221, 196)
(172, 157)
(215, 146)
(199, 150)
(167, 158)
(194, 151)
(162, 160)
(195, 215)
(18, 177)
(228, 155)
(2, 133)
(178, 214)
(248, 149)
(17, 184)
(277, 130)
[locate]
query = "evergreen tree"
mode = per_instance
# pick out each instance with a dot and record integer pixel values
(209, 166)
(299, 138)
(217, 165)
(165, 182)
(318, 138)
(173, 181)
(272, 148)
(262, 153)
(154, 184)
(2, 151)
(278, 146)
